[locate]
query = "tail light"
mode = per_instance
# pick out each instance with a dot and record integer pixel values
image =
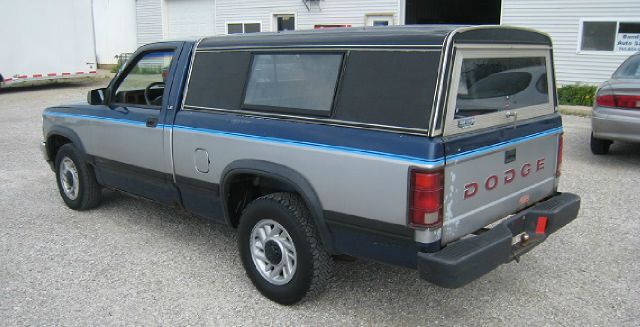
(425, 198)
(559, 158)
(619, 101)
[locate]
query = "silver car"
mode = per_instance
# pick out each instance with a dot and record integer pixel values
(616, 113)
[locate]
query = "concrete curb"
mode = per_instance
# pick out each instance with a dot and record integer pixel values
(576, 110)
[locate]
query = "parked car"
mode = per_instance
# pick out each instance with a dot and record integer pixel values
(315, 144)
(616, 112)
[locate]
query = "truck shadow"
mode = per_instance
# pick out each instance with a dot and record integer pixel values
(353, 284)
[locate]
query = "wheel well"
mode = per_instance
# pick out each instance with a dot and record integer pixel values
(244, 188)
(54, 142)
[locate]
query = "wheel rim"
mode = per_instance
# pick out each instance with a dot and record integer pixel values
(69, 179)
(273, 252)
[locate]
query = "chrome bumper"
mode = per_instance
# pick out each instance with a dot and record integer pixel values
(43, 149)
(45, 155)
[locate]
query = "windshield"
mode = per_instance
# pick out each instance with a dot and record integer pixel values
(490, 85)
(629, 68)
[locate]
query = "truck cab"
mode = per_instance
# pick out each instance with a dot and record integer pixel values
(435, 147)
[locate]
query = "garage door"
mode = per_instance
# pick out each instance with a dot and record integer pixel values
(190, 18)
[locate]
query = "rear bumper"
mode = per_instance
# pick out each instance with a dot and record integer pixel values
(616, 124)
(468, 259)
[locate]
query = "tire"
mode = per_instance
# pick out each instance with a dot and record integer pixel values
(599, 146)
(79, 189)
(312, 264)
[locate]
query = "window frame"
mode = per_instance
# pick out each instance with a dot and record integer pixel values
(495, 119)
(296, 111)
(274, 20)
(113, 87)
(227, 23)
(617, 20)
(387, 16)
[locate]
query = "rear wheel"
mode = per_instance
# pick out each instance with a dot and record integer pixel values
(599, 146)
(76, 180)
(281, 250)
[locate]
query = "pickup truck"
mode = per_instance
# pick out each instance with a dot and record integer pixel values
(433, 147)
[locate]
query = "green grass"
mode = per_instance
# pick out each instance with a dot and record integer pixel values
(577, 95)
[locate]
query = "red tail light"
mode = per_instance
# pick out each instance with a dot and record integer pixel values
(559, 159)
(619, 101)
(425, 198)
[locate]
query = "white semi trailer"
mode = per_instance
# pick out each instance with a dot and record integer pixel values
(46, 40)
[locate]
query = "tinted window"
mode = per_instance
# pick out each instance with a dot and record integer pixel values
(217, 79)
(629, 69)
(598, 36)
(391, 88)
(489, 85)
(498, 85)
(297, 81)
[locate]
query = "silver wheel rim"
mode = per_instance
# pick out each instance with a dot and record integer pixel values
(69, 179)
(267, 238)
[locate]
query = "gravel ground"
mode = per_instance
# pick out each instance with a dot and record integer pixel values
(131, 262)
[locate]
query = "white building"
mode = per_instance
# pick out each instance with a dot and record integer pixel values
(591, 37)
(114, 25)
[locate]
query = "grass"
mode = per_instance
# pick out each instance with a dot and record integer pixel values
(577, 95)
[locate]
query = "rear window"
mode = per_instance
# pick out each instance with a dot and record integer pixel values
(629, 69)
(303, 82)
(489, 85)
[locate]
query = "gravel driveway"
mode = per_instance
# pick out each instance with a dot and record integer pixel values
(131, 262)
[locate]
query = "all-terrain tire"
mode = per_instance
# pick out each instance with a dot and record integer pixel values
(313, 264)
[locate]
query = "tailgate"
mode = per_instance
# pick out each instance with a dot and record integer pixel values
(492, 182)
(501, 135)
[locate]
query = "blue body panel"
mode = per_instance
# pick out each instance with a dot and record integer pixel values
(369, 142)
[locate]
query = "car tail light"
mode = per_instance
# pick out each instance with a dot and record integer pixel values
(559, 158)
(619, 101)
(425, 198)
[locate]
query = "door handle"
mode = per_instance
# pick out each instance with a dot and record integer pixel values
(152, 122)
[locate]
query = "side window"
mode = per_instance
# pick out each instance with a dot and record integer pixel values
(393, 88)
(218, 80)
(144, 83)
(303, 82)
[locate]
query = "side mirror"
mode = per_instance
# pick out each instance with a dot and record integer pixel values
(96, 96)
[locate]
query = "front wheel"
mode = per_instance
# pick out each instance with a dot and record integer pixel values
(281, 250)
(76, 179)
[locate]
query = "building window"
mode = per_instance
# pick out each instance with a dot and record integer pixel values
(301, 83)
(379, 20)
(610, 36)
(285, 22)
(238, 28)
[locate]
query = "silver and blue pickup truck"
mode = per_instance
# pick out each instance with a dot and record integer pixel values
(432, 147)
